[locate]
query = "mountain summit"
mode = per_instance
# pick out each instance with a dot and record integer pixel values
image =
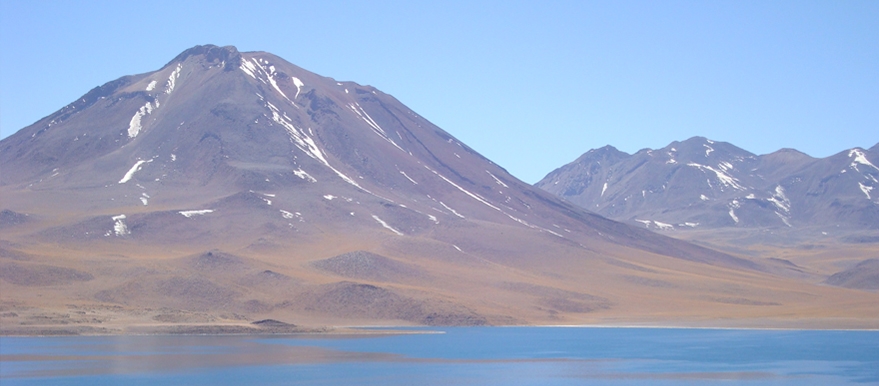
(236, 186)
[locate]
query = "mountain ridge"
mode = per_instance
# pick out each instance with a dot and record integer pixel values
(244, 160)
(785, 188)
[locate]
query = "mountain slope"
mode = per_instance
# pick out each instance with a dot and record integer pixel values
(216, 129)
(699, 183)
(229, 187)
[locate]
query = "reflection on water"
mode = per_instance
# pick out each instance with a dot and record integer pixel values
(479, 356)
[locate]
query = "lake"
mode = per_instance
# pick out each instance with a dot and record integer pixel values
(453, 356)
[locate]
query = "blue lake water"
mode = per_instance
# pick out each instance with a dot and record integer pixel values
(456, 356)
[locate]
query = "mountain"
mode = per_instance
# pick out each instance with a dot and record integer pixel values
(703, 184)
(229, 187)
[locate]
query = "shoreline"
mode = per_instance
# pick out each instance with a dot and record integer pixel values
(352, 331)
(667, 327)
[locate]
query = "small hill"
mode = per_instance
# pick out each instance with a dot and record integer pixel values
(365, 265)
(864, 275)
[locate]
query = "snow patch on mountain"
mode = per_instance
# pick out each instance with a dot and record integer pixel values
(135, 126)
(248, 68)
(119, 227)
(708, 150)
(866, 189)
(859, 158)
(291, 215)
(732, 210)
(198, 212)
(724, 178)
(784, 219)
(488, 204)
(497, 180)
(407, 177)
(465, 191)
(266, 72)
(172, 80)
(303, 175)
(663, 226)
(780, 200)
(451, 210)
(305, 143)
(299, 85)
(355, 107)
(659, 225)
(384, 224)
(134, 169)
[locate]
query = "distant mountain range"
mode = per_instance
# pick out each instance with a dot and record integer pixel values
(704, 184)
(229, 187)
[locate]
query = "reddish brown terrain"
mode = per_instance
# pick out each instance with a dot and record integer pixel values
(231, 188)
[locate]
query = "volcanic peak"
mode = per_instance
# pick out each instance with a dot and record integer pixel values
(228, 55)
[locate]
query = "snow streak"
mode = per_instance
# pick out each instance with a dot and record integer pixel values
(355, 107)
(384, 224)
(305, 143)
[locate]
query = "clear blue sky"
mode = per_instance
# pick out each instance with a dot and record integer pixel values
(529, 84)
